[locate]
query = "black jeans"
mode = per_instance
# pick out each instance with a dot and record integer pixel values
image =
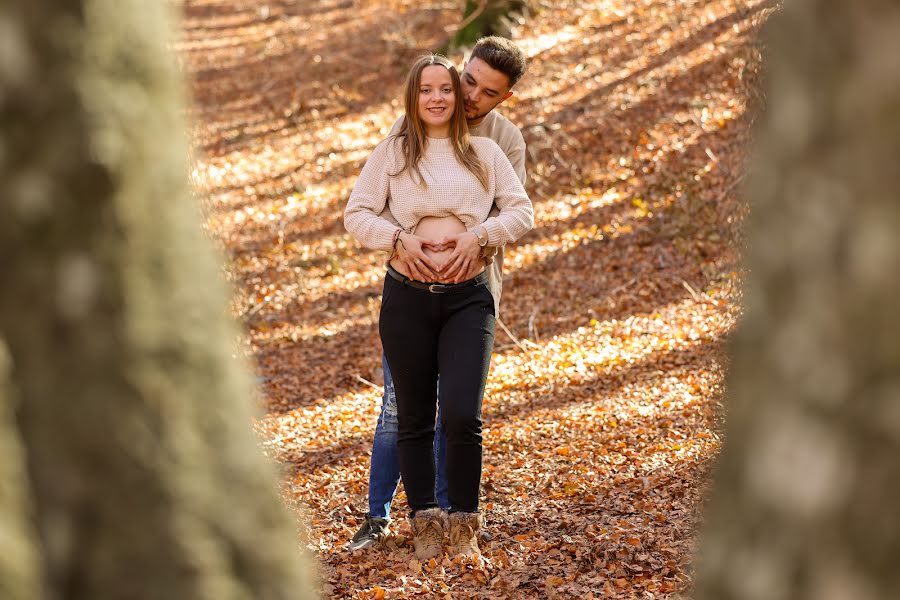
(424, 334)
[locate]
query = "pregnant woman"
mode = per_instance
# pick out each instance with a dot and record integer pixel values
(439, 182)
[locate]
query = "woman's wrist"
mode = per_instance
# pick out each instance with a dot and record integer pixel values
(481, 234)
(394, 239)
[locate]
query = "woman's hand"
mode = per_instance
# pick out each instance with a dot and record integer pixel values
(465, 258)
(411, 255)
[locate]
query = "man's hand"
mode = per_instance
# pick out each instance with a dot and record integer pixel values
(409, 253)
(465, 260)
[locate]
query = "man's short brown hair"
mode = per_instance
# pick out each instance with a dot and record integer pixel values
(502, 55)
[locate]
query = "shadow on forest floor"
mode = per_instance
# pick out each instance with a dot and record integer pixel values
(635, 117)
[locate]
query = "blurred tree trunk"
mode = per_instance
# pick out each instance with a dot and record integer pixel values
(804, 503)
(486, 17)
(18, 562)
(129, 469)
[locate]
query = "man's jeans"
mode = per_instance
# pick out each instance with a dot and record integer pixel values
(384, 472)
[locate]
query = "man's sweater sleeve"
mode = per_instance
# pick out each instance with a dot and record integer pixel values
(516, 216)
(368, 199)
(516, 155)
(514, 148)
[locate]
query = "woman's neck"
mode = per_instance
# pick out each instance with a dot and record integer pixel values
(437, 131)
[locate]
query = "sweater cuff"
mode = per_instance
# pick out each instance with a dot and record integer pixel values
(383, 236)
(497, 233)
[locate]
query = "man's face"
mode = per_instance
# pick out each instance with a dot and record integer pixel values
(483, 88)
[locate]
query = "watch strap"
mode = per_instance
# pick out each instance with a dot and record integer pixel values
(482, 234)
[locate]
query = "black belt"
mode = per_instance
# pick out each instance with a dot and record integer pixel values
(438, 288)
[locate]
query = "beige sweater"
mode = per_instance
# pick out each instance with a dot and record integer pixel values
(501, 130)
(509, 138)
(451, 190)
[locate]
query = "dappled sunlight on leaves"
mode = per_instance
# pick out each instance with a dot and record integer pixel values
(602, 407)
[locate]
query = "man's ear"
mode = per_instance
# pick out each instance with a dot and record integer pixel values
(506, 95)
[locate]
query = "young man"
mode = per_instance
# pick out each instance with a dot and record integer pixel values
(494, 67)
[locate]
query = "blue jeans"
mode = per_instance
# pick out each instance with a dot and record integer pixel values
(384, 471)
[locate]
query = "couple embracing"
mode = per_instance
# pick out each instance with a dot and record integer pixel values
(442, 194)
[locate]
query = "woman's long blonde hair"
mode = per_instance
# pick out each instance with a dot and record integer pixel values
(412, 131)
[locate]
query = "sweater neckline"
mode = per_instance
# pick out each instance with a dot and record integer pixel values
(439, 143)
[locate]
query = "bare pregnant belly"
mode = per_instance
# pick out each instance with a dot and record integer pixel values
(435, 228)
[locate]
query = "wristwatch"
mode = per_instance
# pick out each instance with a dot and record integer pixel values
(482, 235)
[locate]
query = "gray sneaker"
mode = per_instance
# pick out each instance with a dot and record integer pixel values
(372, 531)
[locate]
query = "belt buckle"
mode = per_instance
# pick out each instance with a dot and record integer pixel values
(431, 288)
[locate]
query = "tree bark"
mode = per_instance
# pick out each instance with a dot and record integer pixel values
(18, 559)
(133, 417)
(804, 504)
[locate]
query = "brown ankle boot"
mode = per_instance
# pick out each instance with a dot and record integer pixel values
(464, 528)
(428, 527)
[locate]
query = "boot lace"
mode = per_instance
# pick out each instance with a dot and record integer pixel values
(463, 532)
(431, 531)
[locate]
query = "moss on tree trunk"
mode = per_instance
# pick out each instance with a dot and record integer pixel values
(485, 17)
(133, 415)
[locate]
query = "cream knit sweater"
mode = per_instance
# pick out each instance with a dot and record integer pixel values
(451, 190)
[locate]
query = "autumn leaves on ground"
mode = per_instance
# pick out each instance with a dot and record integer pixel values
(602, 412)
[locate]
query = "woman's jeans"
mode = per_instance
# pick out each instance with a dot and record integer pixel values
(384, 470)
(447, 331)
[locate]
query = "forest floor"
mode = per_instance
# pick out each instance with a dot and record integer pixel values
(603, 413)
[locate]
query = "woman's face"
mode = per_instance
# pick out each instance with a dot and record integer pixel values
(436, 100)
